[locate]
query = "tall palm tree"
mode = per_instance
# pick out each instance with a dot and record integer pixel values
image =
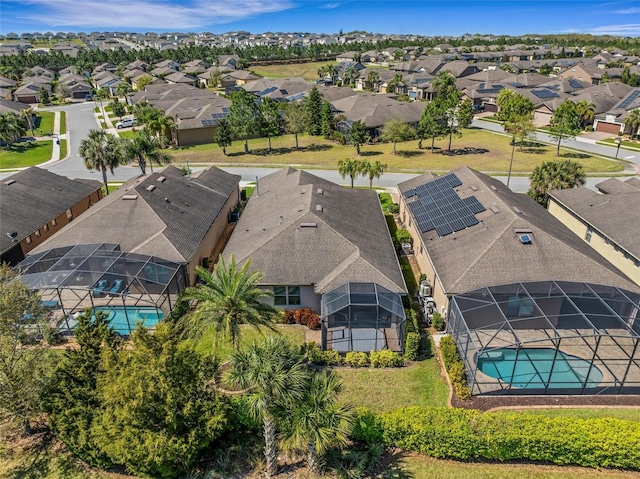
(349, 167)
(586, 110)
(633, 120)
(276, 375)
(27, 115)
(101, 151)
(10, 127)
(373, 169)
(332, 71)
(373, 77)
(228, 298)
(161, 124)
(554, 175)
(143, 147)
(318, 421)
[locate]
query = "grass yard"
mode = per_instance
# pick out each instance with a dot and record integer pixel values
(44, 122)
(23, 154)
(479, 149)
(63, 122)
(127, 135)
(382, 390)
(63, 149)
(308, 71)
(623, 143)
(415, 466)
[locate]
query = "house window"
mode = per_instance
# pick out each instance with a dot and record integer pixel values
(28, 239)
(286, 295)
(54, 222)
(37, 233)
(46, 227)
(588, 235)
(69, 214)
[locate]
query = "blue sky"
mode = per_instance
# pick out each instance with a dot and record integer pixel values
(426, 17)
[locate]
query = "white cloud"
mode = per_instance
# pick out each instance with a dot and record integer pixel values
(148, 14)
(628, 11)
(330, 6)
(625, 30)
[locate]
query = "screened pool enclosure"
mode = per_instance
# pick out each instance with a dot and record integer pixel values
(362, 317)
(130, 288)
(548, 338)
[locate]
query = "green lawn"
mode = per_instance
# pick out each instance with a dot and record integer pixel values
(22, 154)
(63, 149)
(308, 71)
(128, 135)
(44, 122)
(477, 148)
(63, 122)
(623, 143)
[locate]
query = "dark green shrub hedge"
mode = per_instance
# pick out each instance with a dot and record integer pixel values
(508, 436)
(412, 346)
(438, 322)
(385, 359)
(320, 357)
(455, 367)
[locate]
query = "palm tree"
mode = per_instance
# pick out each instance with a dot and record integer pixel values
(373, 77)
(101, 151)
(349, 75)
(633, 120)
(11, 128)
(27, 115)
(554, 175)
(373, 169)
(276, 375)
(160, 124)
(586, 111)
(143, 147)
(332, 71)
(318, 422)
(228, 298)
(349, 167)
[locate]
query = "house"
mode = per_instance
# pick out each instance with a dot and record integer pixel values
(279, 89)
(180, 77)
(350, 56)
(195, 67)
(173, 65)
(164, 214)
(228, 61)
(470, 231)
(607, 220)
(109, 82)
(586, 72)
(325, 247)
(36, 204)
(77, 85)
(43, 72)
(28, 92)
(235, 78)
(613, 121)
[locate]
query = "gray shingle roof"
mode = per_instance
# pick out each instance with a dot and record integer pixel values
(349, 242)
(616, 214)
(170, 229)
(490, 253)
(35, 197)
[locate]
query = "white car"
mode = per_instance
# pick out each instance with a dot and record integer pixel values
(126, 123)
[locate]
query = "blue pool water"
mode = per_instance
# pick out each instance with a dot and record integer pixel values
(535, 368)
(148, 316)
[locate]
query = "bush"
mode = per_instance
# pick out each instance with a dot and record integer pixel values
(367, 427)
(455, 367)
(412, 346)
(288, 317)
(339, 138)
(403, 236)
(320, 357)
(393, 209)
(307, 317)
(385, 358)
(357, 359)
(449, 351)
(507, 436)
(438, 322)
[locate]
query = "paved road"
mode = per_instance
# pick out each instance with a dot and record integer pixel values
(579, 143)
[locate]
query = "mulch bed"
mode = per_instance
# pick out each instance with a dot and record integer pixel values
(486, 403)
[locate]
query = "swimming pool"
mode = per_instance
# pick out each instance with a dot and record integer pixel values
(536, 368)
(148, 316)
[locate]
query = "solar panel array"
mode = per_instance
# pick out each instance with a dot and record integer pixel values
(215, 118)
(630, 99)
(438, 206)
(575, 83)
(545, 93)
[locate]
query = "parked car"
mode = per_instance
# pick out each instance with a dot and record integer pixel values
(88, 97)
(477, 108)
(126, 123)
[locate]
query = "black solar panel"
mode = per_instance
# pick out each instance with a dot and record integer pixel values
(545, 93)
(630, 99)
(439, 207)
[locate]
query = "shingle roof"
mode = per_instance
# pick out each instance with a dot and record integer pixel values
(35, 197)
(490, 253)
(616, 214)
(349, 242)
(149, 224)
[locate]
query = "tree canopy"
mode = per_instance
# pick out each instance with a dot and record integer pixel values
(565, 123)
(554, 175)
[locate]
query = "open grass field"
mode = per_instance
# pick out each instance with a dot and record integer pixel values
(23, 154)
(63, 122)
(479, 149)
(44, 122)
(308, 71)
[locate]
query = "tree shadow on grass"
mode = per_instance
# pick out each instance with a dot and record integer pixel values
(370, 153)
(574, 154)
(469, 150)
(409, 153)
(314, 147)
(533, 150)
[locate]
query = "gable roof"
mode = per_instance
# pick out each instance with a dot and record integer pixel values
(346, 240)
(33, 197)
(490, 253)
(149, 224)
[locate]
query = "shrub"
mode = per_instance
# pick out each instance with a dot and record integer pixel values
(455, 367)
(438, 322)
(412, 346)
(332, 357)
(357, 359)
(385, 358)
(367, 427)
(462, 391)
(307, 317)
(339, 138)
(393, 209)
(456, 373)
(403, 236)
(288, 317)
(320, 357)
(507, 436)
(449, 351)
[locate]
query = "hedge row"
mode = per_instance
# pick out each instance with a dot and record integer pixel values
(376, 359)
(455, 367)
(505, 436)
